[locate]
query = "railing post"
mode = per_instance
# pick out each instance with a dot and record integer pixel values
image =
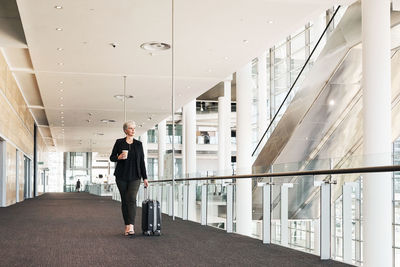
(229, 208)
(347, 220)
(266, 229)
(284, 213)
(325, 219)
(185, 201)
(204, 204)
(170, 199)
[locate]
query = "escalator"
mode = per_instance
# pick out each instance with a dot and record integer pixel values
(324, 119)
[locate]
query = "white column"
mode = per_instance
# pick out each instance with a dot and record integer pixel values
(190, 146)
(243, 154)
(228, 148)
(262, 94)
(143, 139)
(377, 205)
(224, 129)
(162, 132)
(183, 143)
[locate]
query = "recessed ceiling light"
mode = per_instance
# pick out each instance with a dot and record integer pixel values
(59, 29)
(60, 49)
(332, 102)
(60, 64)
(62, 117)
(245, 41)
(62, 112)
(61, 105)
(226, 58)
(155, 46)
(61, 90)
(61, 98)
(149, 118)
(121, 97)
(99, 133)
(140, 126)
(61, 82)
(58, 7)
(270, 21)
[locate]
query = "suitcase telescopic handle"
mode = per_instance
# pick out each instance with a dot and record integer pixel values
(146, 193)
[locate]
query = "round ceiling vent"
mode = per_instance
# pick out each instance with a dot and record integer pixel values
(155, 46)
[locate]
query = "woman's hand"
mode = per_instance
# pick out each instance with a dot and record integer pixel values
(121, 156)
(146, 183)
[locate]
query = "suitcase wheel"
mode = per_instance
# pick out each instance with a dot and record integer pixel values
(157, 233)
(148, 233)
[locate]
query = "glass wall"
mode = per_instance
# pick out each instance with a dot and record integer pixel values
(284, 62)
(78, 165)
(396, 203)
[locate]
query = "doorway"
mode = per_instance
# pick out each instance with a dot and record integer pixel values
(27, 176)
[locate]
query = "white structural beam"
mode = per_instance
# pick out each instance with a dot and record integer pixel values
(243, 154)
(143, 139)
(190, 155)
(377, 195)
(162, 132)
(224, 129)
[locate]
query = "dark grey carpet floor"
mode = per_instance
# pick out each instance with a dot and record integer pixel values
(78, 229)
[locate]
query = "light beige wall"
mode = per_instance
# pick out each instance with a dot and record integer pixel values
(16, 122)
(16, 126)
(11, 153)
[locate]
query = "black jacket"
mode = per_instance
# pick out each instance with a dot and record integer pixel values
(122, 170)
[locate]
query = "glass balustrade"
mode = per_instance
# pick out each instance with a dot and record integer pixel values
(287, 210)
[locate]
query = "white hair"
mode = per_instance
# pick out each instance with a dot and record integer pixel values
(126, 125)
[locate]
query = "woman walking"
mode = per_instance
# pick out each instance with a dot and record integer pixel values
(128, 153)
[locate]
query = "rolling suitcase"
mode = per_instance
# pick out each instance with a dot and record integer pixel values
(151, 216)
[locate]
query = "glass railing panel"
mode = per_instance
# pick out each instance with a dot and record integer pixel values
(216, 204)
(257, 214)
(178, 208)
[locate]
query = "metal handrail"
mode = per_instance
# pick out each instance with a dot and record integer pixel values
(389, 168)
(295, 81)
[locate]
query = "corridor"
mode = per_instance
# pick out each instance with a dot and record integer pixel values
(78, 229)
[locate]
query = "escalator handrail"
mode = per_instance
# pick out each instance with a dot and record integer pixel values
(297, 78)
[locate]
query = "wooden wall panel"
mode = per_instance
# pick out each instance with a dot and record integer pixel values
(13, 129)
(3, 73)
(16, 126)
(11, 174)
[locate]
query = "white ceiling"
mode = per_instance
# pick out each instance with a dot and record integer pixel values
(209, 45)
